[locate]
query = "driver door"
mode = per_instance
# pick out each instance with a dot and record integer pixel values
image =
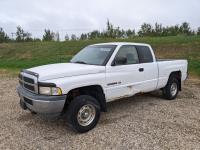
(124, 78)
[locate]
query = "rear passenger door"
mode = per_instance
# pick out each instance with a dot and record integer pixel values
(149, 67)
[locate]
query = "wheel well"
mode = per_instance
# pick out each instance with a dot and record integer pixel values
(177, 74)
(95, 91)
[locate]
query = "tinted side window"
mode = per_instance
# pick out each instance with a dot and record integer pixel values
(144, 53)
(128, 52)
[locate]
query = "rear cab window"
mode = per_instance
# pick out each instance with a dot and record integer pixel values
(144, 54)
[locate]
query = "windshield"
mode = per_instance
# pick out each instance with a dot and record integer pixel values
(94, 55)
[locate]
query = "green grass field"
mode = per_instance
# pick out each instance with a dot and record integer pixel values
(16, 56)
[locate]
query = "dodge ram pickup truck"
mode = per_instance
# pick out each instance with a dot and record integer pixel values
(98, 74)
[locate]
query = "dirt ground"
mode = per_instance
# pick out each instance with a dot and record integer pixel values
(140, 122)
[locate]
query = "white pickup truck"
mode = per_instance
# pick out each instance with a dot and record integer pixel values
(98, 74)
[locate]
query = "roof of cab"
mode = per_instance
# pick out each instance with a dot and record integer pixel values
(122, 43)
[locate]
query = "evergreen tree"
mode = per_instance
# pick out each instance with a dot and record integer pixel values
(198, 31)
(145, 30)
(158, 30)
(73, 37)
(66, 37)
(48, 35)
(130, 33)
(22, 36)
(3, 36)
(83, 36)
(94, 34)
(185, 28)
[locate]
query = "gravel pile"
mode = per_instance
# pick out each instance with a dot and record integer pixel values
(140, 122)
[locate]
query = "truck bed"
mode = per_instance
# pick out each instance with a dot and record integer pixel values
(166, 66)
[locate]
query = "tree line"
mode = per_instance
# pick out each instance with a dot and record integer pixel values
(146, 29)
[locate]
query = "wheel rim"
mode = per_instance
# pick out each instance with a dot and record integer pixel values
(86, 115)
(173, 89)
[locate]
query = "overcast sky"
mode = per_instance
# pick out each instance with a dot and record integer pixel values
(75, 16)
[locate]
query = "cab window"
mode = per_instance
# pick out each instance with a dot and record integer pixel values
(144, 53)
(126, 55)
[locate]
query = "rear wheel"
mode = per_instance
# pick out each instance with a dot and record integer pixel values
(171, 90)
(83, 113)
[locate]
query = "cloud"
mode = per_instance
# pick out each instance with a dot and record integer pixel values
(76, 16)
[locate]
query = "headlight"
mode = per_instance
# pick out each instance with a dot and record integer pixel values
(50, 90)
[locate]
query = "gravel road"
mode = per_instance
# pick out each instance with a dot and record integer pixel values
(140, 122)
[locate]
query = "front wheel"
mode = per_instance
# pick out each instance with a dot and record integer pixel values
(83, 113)
(171, 90)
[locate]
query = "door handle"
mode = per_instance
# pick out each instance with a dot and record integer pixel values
(141, 69)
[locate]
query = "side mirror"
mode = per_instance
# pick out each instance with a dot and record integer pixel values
(119, 61)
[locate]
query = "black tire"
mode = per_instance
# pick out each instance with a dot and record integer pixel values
(33, 113)
(167, 92)
(73, 112)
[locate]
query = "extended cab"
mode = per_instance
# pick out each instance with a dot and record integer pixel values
(98, 74)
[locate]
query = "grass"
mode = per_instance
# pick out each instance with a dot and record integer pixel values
(17, 56)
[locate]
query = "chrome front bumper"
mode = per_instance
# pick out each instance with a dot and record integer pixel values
(41, 103)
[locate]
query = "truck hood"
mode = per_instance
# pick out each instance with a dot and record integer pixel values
(54, 71)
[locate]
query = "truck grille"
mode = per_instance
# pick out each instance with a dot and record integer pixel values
(28, 80)
(28, 83)
(28, 101)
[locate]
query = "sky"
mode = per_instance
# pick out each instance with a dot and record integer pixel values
(77, 16)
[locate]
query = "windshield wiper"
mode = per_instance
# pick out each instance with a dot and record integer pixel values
(80, 62)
